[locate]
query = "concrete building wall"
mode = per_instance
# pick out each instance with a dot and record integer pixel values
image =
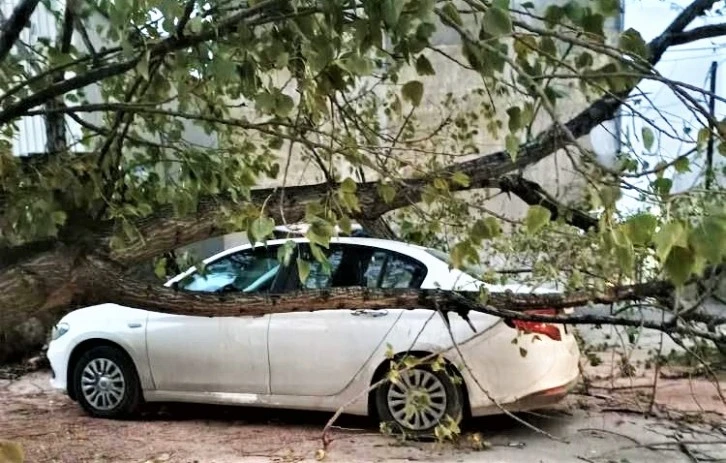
(556, 173)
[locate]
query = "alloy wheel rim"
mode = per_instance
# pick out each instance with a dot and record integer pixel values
(417, 400)
(103, 384)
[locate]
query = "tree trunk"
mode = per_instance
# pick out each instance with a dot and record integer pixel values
(32, 298)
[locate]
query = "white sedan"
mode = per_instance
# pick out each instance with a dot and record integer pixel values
(112, 358)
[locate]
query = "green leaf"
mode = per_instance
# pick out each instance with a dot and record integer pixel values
(640, 228)
(424, 67)
(609, 195)
(346, 226)
(303, 269)
(708, 239)
(722, 149)
(261, 227)
(682, 165)
(320, 232)
(391, 10)
(522, 352)
(195, 25)
(497, 21)
(462, 253)
(679, 265)
(609, 7)
(11, 452)
(553, 15)
(584, 60)
(449, 10)
(412, 91)
(357, 65)
(347, 194)
(624, 253)
(485, 229)
(648, 138)
(160, 268)
(593, 24)
(387, 192)
(284, 253)
(319, 256)
(59, 217)
(515, 118)
(574, 11)
(547, 46)
(703, 136)
(283, 105)
(461, 179)
(348, 185)
(662, 186)
(632, 42)
(670, 235)
(512, 145)
(537, 218)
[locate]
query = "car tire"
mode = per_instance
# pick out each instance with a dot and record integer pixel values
(106, 384)
(434, 393)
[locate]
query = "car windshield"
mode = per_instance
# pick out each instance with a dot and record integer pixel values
(474, 271)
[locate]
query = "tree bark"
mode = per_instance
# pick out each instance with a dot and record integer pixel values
(32, 297)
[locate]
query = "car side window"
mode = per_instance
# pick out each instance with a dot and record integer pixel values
(388, 269)
(248, 271)
(354, 265)
(321, 274)
(344, 267)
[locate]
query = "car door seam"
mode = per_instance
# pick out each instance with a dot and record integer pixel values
(146, 346)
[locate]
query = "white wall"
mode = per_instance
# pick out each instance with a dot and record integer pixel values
(31, 136)
(686, 63)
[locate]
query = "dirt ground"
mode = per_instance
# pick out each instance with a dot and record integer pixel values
(605, 424)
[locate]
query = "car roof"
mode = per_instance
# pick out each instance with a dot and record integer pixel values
(390, 245)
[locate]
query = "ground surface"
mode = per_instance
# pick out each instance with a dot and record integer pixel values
(602, 425)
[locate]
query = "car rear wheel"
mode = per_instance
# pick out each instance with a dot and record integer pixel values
(420, 400)
(106, 384)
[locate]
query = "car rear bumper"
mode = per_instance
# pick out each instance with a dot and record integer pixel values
(519, 371)
(537, 400)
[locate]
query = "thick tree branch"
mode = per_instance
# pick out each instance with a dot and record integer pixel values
(698, 33)
(14, 26)
(533, 194)
(188, 10)
(105, 284)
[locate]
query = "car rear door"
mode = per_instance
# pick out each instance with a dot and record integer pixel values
(319, 353)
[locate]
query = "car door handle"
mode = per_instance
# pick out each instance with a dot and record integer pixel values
(370, 313)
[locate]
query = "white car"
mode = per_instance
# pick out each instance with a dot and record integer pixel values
(112, 358)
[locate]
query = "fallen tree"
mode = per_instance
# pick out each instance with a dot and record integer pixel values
(73, 223)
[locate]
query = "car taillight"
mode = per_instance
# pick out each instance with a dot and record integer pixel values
(547, 329)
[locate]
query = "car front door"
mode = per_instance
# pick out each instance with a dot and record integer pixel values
(217, 354)
(319, 353)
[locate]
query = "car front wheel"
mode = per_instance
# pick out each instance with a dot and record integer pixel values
(106, 384)
(419, 400)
